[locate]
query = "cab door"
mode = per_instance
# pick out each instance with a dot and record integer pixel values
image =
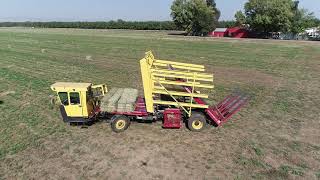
(71, 102)
(75, 107)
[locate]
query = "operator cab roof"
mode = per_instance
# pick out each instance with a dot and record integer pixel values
(70, 86)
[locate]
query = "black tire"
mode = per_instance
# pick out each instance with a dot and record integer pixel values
(197, 122)
(119, 123)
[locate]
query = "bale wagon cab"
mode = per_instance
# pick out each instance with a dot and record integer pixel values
(173, 94)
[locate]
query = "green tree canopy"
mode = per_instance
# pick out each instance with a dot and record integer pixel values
(302, 20)
(196, 17)
(275, 15)
(240, 18)
(269, 15)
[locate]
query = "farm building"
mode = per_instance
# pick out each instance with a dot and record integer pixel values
(235, 32)
(219, 32)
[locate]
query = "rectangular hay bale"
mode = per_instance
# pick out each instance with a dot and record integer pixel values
(127, 100)
(119, 99)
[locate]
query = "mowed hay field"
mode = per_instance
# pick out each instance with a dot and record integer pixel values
(276, 136)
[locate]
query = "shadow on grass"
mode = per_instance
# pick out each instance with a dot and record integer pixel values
(1, 102)
(177, 34)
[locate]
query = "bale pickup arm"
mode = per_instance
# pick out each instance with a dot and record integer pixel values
(220, 113)
(174, 79)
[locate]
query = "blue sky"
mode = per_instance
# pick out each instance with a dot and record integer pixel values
(95, 10)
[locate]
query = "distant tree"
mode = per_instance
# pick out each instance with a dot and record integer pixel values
(302, 20)
(269, 15)
(276, 15)
(181, 14)
(240, 18)
(196, 17)
(212, 3)
(226, 24)
(317, 22)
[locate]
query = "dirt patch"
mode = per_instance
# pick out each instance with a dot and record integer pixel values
(310, 133)
(244, 76)
(144, 152)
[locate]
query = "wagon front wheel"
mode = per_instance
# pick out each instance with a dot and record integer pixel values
(120, 123)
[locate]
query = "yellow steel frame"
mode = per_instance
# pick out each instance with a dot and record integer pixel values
(100, 89)
(157, 75)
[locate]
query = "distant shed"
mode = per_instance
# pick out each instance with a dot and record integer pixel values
(219, 32)
(236, 32)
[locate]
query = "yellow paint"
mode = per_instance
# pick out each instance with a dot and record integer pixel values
(180, 64)
(180, 67)
(69, 86)
(197, 124)
(86, 104)
(199, 75)
(120, 124)
(182, 104)
(147, 84)
(186, 84)
(183, 77)
(178, 103)
(100, 89)
(177, 93)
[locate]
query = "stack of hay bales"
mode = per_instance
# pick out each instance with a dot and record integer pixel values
(120, 100)
(127, 101)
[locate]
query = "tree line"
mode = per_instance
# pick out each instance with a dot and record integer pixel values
(119, 24)
(199, 17)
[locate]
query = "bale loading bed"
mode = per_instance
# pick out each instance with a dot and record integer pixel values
(119, 100)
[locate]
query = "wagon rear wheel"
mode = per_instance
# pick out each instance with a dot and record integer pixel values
(120, 123)
(197, 122)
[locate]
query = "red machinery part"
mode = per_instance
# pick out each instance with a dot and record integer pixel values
(172, 118)
(222, 112)
(227, 108)
(140, 109)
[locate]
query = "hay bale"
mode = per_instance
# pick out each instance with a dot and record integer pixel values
(110, 101)
(88, 58)
(113, 101)
(127, 100)
(119, 99)
(6, 93)
(109, 95)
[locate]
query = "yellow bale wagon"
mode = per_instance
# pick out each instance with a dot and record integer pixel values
(173, 93)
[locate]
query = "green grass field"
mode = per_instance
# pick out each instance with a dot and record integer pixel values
(275, 136)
